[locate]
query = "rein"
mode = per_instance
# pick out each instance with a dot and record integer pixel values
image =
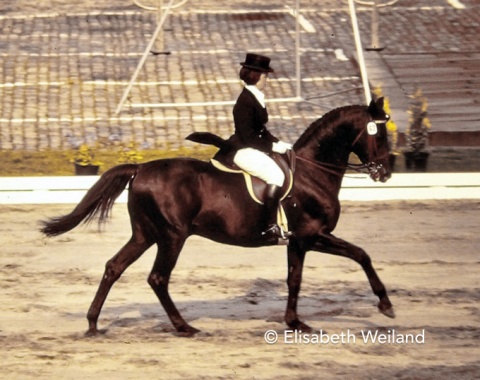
(359, 168)
(323, 165)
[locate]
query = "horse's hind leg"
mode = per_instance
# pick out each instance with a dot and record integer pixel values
(296, 258)
(113, 270)
(167, 255)
(333, 245)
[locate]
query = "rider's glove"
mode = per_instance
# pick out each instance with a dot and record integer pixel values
(281, 147)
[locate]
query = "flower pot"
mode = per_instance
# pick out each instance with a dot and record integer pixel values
(416, 161)
(86, 169)
(392, 158)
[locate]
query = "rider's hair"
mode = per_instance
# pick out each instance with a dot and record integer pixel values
(250, 77)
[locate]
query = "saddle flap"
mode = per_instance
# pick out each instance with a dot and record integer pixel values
(256, 186)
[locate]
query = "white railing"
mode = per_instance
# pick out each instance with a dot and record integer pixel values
(413, 186)
(402, 186)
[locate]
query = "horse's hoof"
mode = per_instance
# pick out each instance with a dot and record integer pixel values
(389, 312)
(300, 326)
(187, 331)
(94, 332)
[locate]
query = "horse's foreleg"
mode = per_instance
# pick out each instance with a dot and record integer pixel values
(333, 245)
(296, 258)
(159, 279)
(113, 270)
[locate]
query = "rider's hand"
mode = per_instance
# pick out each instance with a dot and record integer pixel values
(278, 147)
(281, 147)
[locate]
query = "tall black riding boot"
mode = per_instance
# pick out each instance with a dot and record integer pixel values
(270, 213)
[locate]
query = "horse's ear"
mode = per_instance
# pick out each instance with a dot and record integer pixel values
(376, 106)
(380, 102)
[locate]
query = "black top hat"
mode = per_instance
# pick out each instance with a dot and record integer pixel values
(257, 62)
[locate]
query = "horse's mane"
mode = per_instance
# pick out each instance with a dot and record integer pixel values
(325, 124)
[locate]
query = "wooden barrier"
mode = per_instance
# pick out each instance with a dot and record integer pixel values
(355, 187)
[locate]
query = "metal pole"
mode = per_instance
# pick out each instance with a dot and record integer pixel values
(361, 59)
(375, 27)
(297, 50)
(144, 57)
(159, 45)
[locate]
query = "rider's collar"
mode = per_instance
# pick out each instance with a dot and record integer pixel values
(259, 95)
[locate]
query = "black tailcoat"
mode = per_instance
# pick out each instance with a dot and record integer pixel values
(250, 131)
(250, 120)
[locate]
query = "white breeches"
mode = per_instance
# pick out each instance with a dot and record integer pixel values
(259, 165)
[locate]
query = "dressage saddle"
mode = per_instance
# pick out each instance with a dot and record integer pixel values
(255, 186)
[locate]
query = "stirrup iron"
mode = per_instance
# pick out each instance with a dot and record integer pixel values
(278, 232)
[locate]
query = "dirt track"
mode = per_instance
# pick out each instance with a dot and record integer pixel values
(425, 253)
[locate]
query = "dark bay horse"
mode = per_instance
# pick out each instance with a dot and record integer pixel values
(171, 199)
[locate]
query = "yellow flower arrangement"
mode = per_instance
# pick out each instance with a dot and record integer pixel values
(392, 129)
(129, 154)
(416, 135)
(85, 156)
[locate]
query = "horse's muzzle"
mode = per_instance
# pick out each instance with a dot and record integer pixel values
(378, 172)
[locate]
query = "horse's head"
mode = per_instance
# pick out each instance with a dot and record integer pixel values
(371, 143)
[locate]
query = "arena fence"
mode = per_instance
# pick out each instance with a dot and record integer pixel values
(355, 187)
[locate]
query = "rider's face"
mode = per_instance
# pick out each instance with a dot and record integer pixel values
(262, 81)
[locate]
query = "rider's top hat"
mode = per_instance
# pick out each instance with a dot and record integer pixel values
(257, 62)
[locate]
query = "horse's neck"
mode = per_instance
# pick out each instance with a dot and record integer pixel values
(328, 143)
(331, 150)
(318, 171)
(325, 151)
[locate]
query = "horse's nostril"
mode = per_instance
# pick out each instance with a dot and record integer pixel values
(386, 177)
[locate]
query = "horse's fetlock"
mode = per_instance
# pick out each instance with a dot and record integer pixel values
(382, 295)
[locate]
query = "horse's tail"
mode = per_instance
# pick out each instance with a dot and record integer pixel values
(98, 200)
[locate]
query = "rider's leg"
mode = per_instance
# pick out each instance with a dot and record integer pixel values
(262, 166)
(259, 164)
(271, 200)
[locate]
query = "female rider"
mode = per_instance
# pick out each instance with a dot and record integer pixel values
(253, 142)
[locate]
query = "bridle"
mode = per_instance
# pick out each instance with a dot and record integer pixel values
(371, 168)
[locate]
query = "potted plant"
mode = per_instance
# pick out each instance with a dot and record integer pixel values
(129, 154)
(391, 128)
(417, 146)
(84, 161)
